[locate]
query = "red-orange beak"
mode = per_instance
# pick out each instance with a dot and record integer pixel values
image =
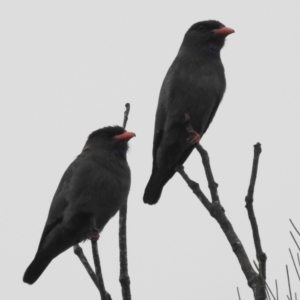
(223, 31)
(126, 136)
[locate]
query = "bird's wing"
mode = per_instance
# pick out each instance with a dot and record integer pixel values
(162, 111)
(212, 115)
(159, 122)
(59, 202)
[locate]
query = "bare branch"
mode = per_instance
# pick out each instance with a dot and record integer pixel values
(124, 276)
(78, 251)
(268, 295)
(294, 264)
(261, 256)
(295, 240)
(295, 227)
(217, 212)
(255, 281)
(103, 293)
(238, 293)
(206, 163)
(194, 187)
(288, 277)
(210, 178)
(126, 113)
(277, 297)
(268, 289)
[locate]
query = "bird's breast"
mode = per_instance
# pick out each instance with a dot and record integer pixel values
(195, 89)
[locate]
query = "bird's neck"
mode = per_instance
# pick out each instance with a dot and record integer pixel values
(121, 150)
(200, 50)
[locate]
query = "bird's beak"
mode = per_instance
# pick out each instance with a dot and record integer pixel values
(126, 136)
(223, 31)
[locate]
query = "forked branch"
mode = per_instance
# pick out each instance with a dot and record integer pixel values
(255, 281)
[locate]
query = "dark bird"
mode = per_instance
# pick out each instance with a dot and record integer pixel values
(192, 89)
(91, 191)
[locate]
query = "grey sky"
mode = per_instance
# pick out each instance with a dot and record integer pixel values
(68, 68)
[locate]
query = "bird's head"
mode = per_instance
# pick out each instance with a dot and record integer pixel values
(207, 35)
(115, 137)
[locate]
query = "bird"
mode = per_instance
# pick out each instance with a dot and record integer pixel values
(192, 89)
(91, 191)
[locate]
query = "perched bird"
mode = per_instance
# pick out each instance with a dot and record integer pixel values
(91, 191)
(193, 88)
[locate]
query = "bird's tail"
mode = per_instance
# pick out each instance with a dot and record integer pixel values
(57, 241)
(36, 268)
(155, 186)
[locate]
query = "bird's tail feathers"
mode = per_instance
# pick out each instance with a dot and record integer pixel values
(56, 242)
(36, 268)
(155, 186)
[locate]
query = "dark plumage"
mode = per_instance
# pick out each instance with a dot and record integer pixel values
(91, 191)
(194, 85)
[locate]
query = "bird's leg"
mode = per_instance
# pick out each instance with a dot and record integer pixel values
(94, 235)
(195, 136)
(94, 231)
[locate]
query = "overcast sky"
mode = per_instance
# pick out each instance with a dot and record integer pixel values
(69, 67)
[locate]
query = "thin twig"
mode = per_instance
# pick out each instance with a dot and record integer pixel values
(295, 227)
(238, 293)
(194, 187)
(126, 113)
(277, 297)
(270, 291)
(124, 276)
(294, 264)
(261, 256)
(298, 259)
(78, 251)
(288, 277)
(213, 186)
(103, 293)
(268, 294)
(295, 240)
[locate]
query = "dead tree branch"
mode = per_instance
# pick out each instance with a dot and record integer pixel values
(260, 255)
(255, 281)
(124, 276)
(78, 251)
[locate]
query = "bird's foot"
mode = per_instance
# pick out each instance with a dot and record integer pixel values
(94, 235)
(194, 138)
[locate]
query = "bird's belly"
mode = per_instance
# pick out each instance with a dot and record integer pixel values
(199, 100)
(98, 199)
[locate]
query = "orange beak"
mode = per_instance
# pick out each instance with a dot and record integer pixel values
(126, 136)
(223, 31)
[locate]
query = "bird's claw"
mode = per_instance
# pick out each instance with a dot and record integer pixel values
(195, 138)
